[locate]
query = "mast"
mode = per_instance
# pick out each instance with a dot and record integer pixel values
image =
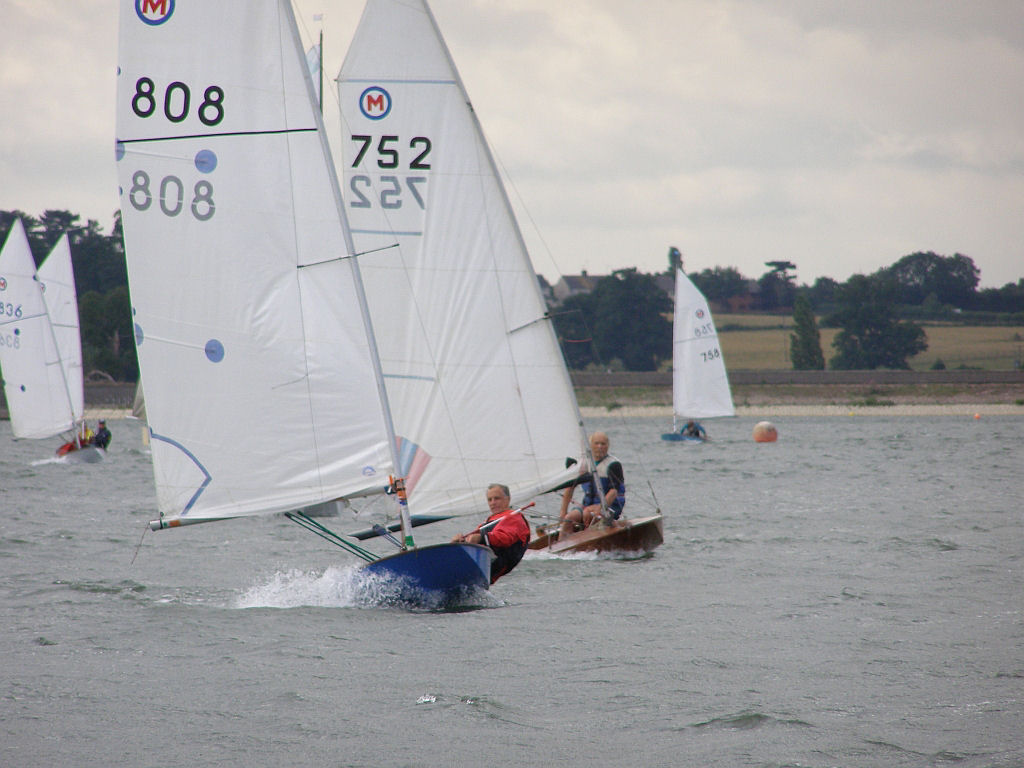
(364, 308)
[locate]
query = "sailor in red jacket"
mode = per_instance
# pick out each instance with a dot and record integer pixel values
(506, 532)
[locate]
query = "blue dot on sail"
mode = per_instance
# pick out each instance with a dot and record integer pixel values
(206, 161)
(139, 336)
(118, 150)
(214, 351)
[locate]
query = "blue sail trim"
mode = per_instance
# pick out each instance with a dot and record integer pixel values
(208, 477)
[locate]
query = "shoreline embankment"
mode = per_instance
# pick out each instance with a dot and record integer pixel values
(756, 393)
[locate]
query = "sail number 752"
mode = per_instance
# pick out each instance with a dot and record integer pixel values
(393, 189)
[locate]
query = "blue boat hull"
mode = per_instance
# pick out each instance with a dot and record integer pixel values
(443, 569)
(676, 437)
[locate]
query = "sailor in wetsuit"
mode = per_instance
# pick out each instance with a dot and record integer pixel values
(693, 429)
(611, 483)
(506, 532)
(102, 438)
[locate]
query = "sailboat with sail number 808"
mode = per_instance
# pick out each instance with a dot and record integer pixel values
(262, 379)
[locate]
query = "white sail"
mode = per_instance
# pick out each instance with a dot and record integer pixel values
(57, 277)
(261, 395)
(477, 383)
(34, 383)
(700, 385)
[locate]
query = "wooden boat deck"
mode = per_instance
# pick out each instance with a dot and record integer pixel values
(629, 535)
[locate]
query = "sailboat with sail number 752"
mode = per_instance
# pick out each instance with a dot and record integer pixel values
(263, 383)
(475, 377)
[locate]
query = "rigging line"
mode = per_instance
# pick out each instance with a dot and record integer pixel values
(323, 532)
(218, 135)
(526, 210)
(139, 545)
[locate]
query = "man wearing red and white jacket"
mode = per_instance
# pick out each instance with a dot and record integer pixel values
(506, 532)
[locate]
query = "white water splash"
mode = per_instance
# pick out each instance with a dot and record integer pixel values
(334, 588)
(350, 587)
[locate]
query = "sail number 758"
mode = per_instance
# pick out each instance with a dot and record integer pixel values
(710, 355)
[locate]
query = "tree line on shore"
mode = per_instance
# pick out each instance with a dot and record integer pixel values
(625, 322)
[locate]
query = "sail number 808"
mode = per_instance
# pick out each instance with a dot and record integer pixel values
(172, 196)
(177, 101)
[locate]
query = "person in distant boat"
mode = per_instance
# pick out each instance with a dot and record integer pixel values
(102, 438)
(86, 437)
(505, 531)
(693, 429)
(611, 483)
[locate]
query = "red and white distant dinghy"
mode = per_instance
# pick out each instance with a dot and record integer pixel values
(40, 347)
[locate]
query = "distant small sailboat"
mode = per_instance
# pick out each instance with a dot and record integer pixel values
(40, 346)
(700, 384)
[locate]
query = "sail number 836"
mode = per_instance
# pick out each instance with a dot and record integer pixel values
(389, 151)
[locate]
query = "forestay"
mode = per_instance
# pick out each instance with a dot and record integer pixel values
(260, 390)
(477, 383)
(34, 385)
(700, 384)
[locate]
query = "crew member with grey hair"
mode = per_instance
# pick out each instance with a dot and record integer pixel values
(506, 532)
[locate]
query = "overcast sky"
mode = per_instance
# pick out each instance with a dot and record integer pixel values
(838, 135)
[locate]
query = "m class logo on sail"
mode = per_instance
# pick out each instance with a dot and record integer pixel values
(375, 103)
(154, 12)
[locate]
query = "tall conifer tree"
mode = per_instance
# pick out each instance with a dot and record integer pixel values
(805, 342)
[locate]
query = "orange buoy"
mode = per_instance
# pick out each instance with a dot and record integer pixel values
(765, 432)
(977, 415)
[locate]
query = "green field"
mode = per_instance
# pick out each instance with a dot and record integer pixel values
(762, 342)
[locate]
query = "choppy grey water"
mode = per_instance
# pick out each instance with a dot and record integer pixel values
(849, 596)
